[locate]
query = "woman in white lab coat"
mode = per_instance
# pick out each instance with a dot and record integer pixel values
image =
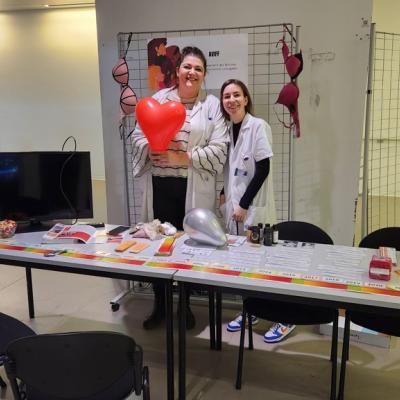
(184, 176)
(247, 197)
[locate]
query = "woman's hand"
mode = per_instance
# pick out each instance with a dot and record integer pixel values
(239, 214)
(157, 157)
(168, 157)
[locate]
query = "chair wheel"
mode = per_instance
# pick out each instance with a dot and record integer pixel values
(115, 307)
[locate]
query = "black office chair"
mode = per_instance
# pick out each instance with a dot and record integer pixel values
(388, 237)
(10, 329)
(290, 312)
(78, 365)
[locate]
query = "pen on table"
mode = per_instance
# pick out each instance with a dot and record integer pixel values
(52, 253)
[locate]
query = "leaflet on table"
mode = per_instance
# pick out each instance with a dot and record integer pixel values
(236, 241)
(287, 258)
(199, 251)
(61, 233)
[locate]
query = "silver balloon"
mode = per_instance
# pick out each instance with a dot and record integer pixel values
(203, 226)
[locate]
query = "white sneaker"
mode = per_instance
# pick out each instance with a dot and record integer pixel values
(278, 332)
(236, 324)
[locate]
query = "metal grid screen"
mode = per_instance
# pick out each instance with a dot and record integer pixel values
(383, 202)
(267, 75)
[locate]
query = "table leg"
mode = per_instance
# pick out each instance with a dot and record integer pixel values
(218, 320)
(31, 306)
(169, 339)
(182, 341)
(211, 317)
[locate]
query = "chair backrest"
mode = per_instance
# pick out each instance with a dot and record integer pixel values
(302, 231)
(388, 237)
(11, 329)
(89, 365)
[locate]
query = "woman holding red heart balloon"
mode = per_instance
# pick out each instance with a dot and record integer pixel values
(184, 175)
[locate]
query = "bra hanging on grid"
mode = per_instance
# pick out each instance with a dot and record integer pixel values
(289, 94)
(128, 98)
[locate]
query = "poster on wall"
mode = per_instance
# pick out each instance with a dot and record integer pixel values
(227, 57)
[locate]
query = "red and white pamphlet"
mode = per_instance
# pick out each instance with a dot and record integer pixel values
(61, 233)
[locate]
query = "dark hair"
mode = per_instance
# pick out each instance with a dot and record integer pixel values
(151, 49)
(248, 107)
(192, 51)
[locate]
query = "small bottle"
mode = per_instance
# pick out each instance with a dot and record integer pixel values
(260, 229)
(254, 234)
(275, 234)
(267, 235)
(248, 233)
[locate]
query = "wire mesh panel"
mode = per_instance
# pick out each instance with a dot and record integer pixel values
(266, 77)
(383, 201)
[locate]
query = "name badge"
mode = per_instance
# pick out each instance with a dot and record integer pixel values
(240, 172)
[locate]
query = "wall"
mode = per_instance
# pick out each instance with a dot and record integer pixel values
(335, 49)
(386, 14)
(49, 85)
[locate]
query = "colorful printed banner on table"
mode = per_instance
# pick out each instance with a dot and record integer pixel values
(390, 289)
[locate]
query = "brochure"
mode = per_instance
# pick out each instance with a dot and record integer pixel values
(61, 233)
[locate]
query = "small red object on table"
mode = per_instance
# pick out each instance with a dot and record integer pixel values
(380, 268)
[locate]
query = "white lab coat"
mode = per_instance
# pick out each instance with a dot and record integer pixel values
(208, 129)
(253, 144)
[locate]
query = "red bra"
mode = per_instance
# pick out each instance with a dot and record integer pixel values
(288, 97)
(289, 94)
(293, 63)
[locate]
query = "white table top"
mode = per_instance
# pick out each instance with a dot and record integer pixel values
(101, 250)
(334, 273)
(323, 264)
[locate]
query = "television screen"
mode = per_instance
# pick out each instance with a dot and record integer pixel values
(43, 186)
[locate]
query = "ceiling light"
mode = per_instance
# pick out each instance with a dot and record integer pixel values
(81, 4)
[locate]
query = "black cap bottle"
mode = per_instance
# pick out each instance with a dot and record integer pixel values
(267, 235)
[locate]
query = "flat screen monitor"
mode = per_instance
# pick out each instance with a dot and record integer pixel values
(44, 186)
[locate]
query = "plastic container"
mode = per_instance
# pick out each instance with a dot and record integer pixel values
(267, 235)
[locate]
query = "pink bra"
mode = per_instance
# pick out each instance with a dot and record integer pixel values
(289, 94)
(120, 73)
(288, 97)
(293, 63)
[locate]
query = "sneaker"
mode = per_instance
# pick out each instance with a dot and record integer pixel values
(236, 324)
(278, 332)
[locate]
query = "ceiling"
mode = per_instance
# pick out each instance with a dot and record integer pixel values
(19, 5)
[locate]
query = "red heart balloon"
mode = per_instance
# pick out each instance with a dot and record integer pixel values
(160, 122)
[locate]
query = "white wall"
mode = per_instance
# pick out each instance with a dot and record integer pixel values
(49, 82)
(332, 91)
(386, 15)
(49, 86)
